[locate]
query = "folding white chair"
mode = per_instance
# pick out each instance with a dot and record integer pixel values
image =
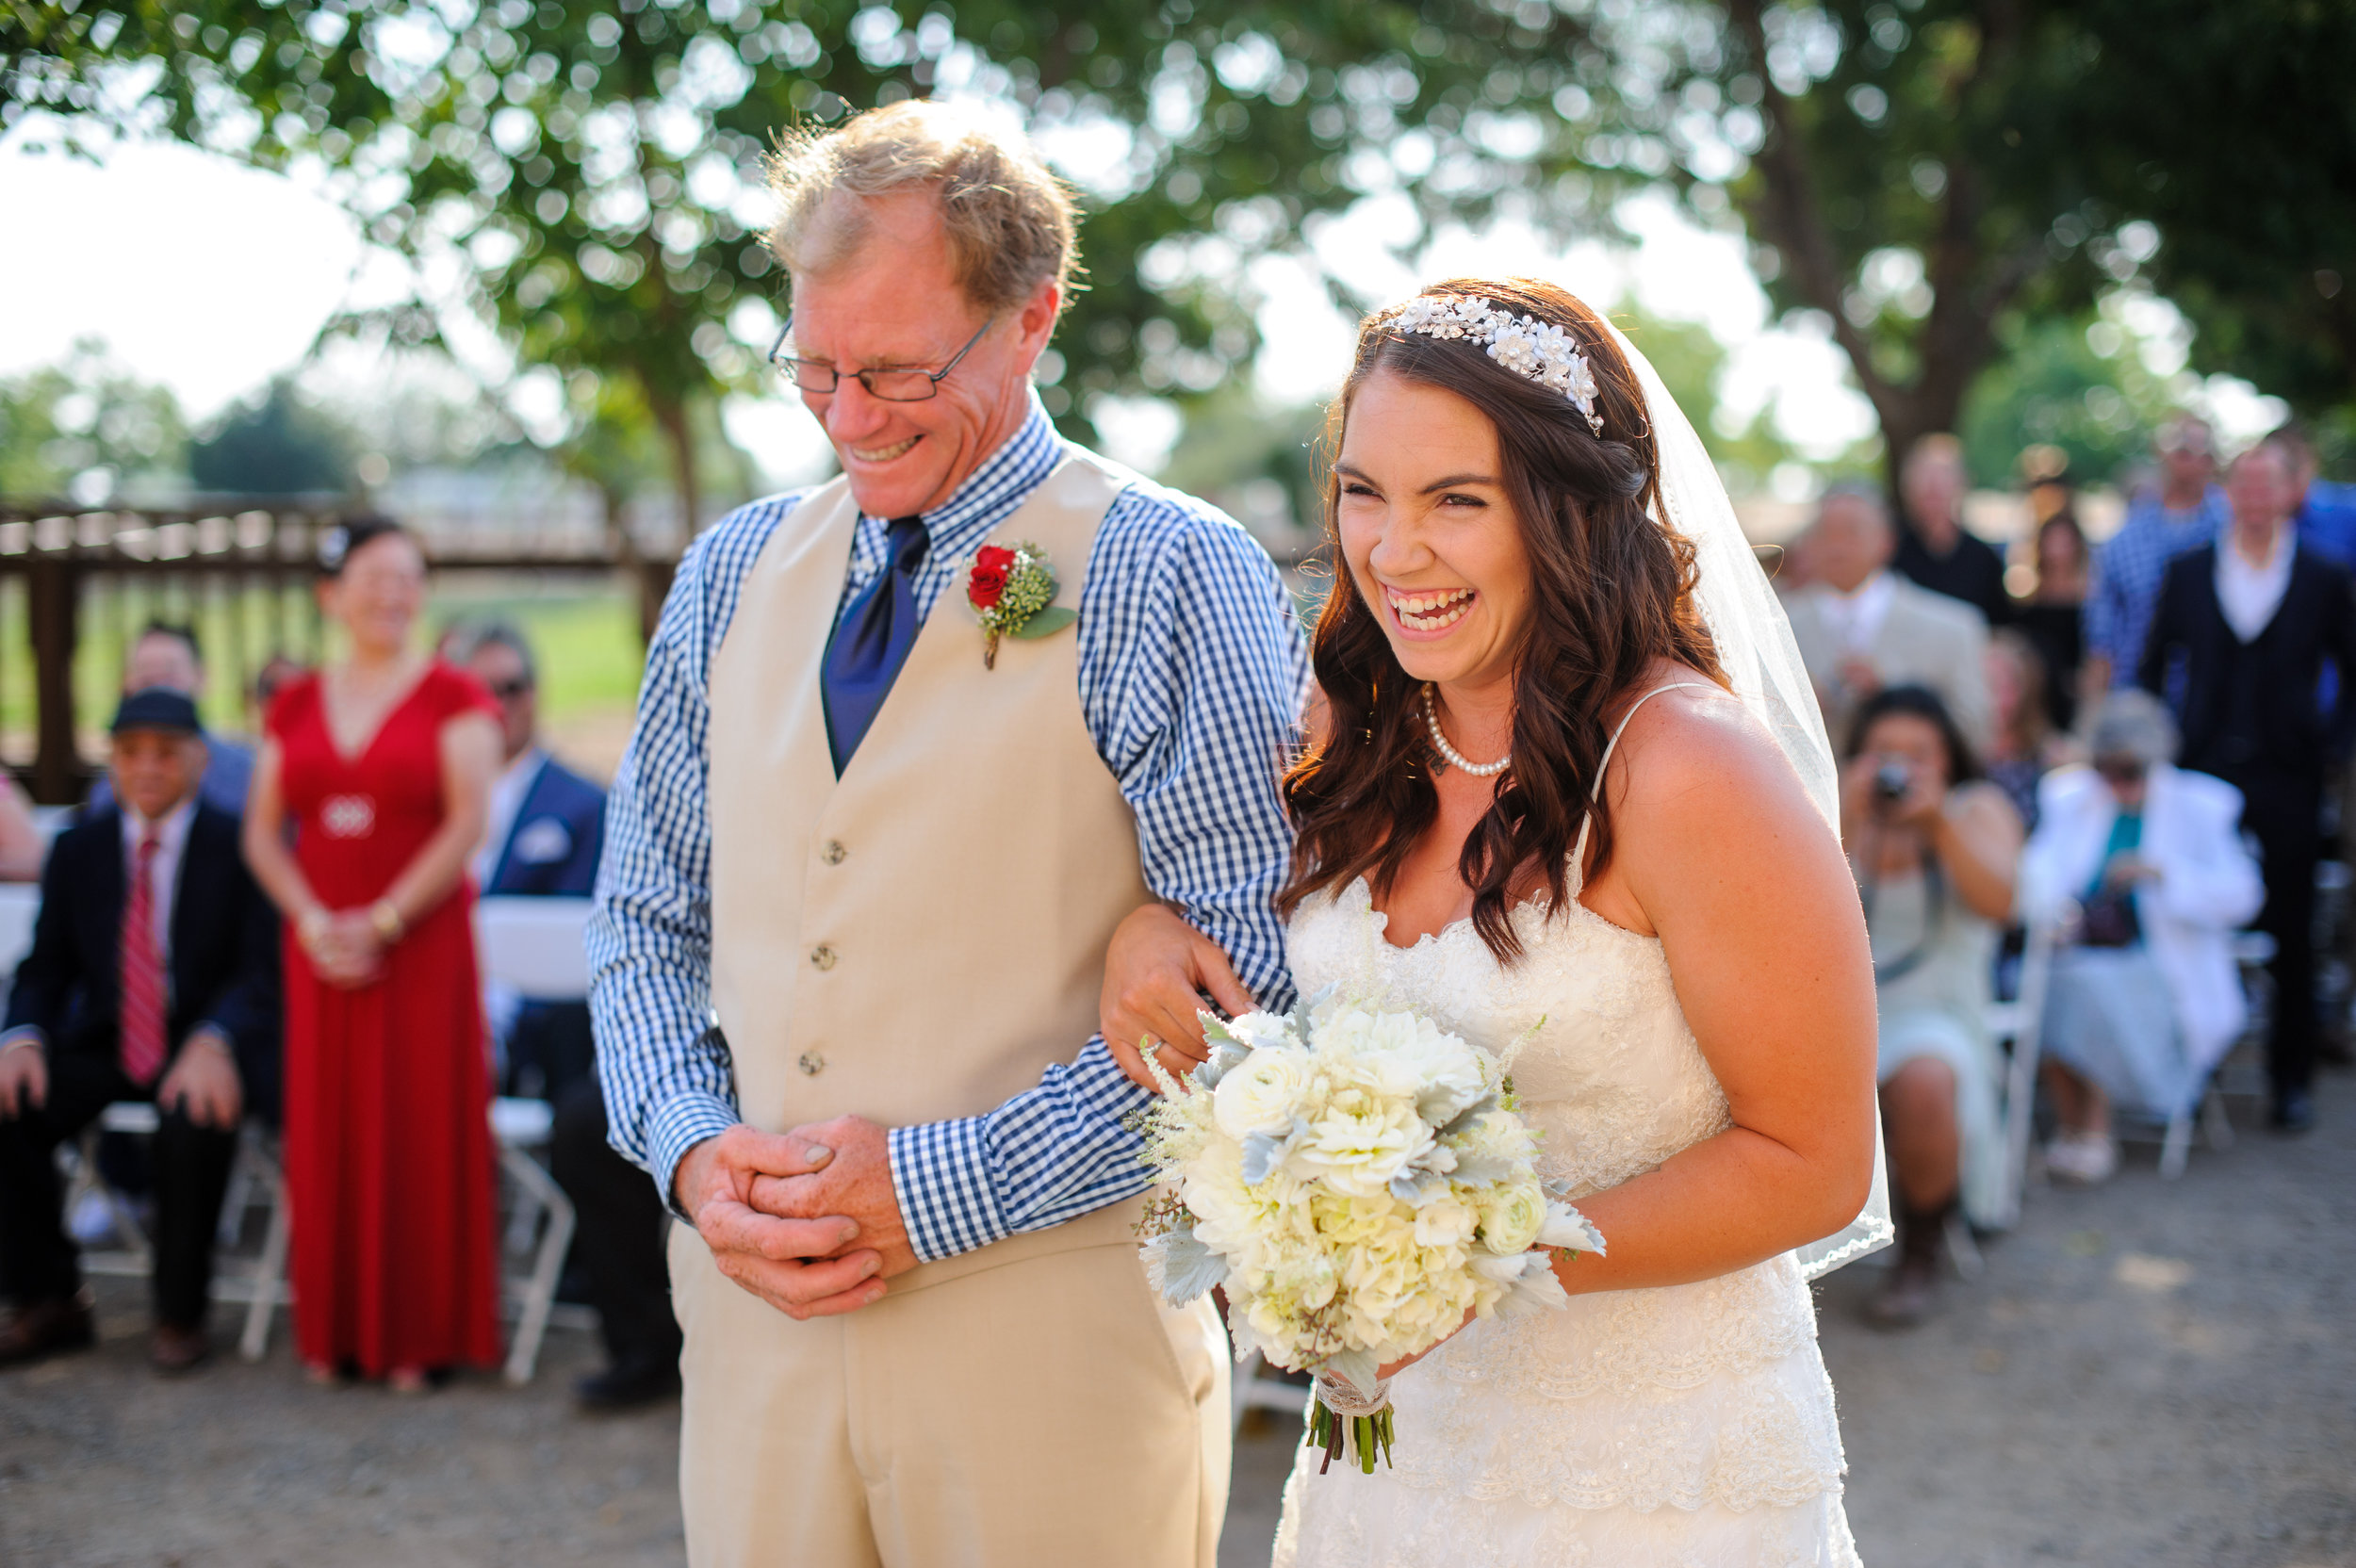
(534, 945)
(522, 1126)
(2021, 1022)
(261, 1288)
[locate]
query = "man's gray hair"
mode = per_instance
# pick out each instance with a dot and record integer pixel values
(2133, 723)
(1011, 220)
(472, 637)
(1856, 490)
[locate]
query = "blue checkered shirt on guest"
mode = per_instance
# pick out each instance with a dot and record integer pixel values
(1193, 734)
(2127, 573)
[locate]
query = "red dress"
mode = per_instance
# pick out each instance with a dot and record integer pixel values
(390, 1170)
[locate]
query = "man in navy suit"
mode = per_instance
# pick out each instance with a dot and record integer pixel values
(547, 826)
(153, 976)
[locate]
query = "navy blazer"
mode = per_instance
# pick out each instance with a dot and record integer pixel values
(2314, 629)
(224, 948)
(552, 846)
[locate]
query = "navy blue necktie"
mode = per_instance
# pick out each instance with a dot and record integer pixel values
(864, 656)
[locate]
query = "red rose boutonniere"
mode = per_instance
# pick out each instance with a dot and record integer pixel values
(1013, 594)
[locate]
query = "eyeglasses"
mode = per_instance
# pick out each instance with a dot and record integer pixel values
(2120, 770)
(890, 385)
(508, 691)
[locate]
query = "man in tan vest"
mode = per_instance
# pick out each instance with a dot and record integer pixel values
(862, 862)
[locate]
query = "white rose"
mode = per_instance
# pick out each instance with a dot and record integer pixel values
(1361, 1140)
(1511, 1217)
(1445, 1221)
(1261, 1093)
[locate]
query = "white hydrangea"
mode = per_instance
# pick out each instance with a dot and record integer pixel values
(1351, 1178)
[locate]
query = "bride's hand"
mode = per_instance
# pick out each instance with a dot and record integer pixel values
(1154, 972)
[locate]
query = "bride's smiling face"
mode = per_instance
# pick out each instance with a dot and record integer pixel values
(1429, 533)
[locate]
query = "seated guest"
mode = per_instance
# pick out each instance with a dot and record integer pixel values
(1934, 550)
(165, 656)
(1934, 848)
(546, 826)
(1862, 626)
(275, 672)
(20, 844)
(153, 976)
(2054, 620)
(2024, 744)
(2146, 870)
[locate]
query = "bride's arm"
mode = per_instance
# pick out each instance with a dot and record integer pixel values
(1156, 965)
(1720, 853)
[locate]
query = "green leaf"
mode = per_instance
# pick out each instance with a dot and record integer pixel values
(1045, 624)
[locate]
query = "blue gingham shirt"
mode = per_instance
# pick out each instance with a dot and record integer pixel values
(1194, 735)
(2127, 572)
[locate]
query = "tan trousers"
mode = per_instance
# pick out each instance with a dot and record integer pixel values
(1045, 1412)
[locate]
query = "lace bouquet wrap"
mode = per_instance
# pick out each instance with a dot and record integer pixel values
(1356, 1181)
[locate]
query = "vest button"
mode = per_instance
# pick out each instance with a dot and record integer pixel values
(822, 957)
(811, 1063)
(832, 852)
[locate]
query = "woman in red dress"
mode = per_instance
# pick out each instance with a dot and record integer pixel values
(383, 764)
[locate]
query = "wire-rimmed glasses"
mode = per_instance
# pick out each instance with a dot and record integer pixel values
(886, 383)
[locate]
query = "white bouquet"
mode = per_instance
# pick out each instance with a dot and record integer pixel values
(1357, 1181)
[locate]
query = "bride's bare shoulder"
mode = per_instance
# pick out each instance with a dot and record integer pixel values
(1696, 759)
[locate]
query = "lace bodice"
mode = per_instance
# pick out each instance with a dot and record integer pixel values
(1703, 1395)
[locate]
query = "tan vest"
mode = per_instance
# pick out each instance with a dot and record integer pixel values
(920, 940)
(917, 942)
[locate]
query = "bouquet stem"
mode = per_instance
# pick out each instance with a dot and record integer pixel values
(1352, 1439)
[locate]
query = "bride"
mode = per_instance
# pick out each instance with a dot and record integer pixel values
(1566, 777)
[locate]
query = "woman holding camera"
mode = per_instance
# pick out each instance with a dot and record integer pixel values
(1935, 849)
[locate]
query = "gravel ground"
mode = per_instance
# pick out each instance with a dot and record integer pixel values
(2150, 1374)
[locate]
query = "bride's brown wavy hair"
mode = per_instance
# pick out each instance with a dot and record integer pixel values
(1611, 591)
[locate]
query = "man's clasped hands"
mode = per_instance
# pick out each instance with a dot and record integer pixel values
(807, 1220)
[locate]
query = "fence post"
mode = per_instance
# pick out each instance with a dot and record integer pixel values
(53, 592)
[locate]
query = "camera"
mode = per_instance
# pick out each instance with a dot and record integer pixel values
(1893, 781)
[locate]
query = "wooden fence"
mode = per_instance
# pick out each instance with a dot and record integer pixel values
(216, 548)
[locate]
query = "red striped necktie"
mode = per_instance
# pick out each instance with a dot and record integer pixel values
(142, 972)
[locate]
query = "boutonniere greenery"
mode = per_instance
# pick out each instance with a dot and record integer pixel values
(1013, 595)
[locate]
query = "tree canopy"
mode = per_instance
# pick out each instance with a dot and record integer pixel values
(586, 176)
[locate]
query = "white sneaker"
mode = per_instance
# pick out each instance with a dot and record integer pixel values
(2088, 1158)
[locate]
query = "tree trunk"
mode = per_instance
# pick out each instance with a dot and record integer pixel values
(654, 577)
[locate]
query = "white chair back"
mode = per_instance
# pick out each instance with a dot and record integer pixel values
(535, 945)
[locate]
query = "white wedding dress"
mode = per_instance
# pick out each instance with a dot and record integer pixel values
(1690, 1427)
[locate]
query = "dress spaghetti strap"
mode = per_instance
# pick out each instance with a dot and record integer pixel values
(1578, 851)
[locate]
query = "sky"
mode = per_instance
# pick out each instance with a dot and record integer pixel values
(210, 278)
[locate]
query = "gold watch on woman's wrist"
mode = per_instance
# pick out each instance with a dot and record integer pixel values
(386, 922)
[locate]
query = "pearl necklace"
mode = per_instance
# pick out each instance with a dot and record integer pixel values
(1448, 754)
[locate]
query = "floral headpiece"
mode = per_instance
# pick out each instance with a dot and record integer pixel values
(1532, 349)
